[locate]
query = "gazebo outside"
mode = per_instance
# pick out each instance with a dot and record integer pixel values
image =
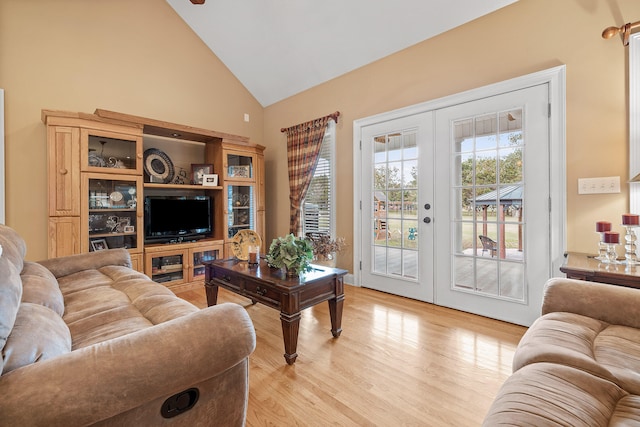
(508, 196)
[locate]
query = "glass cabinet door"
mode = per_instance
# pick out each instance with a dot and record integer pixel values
(110, 152)
(168, 268)
(113, 213)
(239, 166)
(240, 208)
(199, 257)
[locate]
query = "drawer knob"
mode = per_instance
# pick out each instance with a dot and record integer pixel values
(63, 171)
(261, 291)
(226, 278)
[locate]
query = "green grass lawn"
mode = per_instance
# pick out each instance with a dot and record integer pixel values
(396, 237)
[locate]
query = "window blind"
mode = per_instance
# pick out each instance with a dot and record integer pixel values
(318, 203)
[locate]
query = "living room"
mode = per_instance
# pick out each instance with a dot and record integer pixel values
(140, 58)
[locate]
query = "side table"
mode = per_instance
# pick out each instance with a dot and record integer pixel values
(585, 267)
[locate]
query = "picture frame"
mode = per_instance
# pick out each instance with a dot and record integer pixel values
(198, 170)
(239, 171)
(99, 245)
(210, 180)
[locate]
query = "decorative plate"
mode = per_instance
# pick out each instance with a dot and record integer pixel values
(116, 196)
(241, 242)
(158, 165)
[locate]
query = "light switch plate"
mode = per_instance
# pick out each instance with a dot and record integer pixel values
(601, 185)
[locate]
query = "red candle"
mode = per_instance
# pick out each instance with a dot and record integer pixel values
(630, 219)
(611, 237)
(602, 226)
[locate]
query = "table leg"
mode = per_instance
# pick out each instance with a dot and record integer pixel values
(212, 294)
(290, 328)
(335, 311)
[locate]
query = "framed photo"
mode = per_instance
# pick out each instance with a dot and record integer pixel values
(129, 229)
(198, 171)
(99, 245)
(210, 180)
(243, 171)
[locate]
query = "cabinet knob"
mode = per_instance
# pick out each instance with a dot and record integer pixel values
(139, 156)
(63, 171)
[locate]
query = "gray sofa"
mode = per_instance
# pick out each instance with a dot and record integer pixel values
(579, 363)
(86, 340)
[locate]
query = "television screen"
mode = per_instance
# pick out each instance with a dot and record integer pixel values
(179, 218)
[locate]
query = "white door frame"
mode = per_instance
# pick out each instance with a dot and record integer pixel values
(555, 78)
(2, 176)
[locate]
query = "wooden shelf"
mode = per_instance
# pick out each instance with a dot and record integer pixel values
(179, 186)
(96, 235)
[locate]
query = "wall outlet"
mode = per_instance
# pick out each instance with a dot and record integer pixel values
(602, 185)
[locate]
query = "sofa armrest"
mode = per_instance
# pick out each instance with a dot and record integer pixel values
(613, 304)
(63, 266)
(100, 381)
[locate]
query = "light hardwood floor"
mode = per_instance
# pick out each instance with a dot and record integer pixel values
(398, 362)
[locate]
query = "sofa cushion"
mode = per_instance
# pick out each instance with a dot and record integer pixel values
(608, 351)
(113, 301)
(37, 269)
(548, 394)
(39, 286)
(10, 295)
(38, 334)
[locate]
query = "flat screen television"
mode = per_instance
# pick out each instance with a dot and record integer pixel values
(177, 218)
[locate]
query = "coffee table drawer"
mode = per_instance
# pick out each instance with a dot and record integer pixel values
(227, 280)
(252, 289)
(260, 292)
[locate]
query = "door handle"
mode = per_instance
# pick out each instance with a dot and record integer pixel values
(426, 220)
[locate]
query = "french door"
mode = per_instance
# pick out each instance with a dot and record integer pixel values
(397, 187)
(456, 205)
(493, 234)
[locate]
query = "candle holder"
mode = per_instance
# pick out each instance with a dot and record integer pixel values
(601, 228)
(611, 239)
(630, 237)
(602, 248)
(612, 254)
(253, 253)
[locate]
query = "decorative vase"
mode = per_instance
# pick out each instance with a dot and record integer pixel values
(291, 272)
(327, 261)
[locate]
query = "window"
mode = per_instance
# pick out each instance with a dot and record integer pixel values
(317, 208)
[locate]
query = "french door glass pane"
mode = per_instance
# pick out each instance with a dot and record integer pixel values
(394, 199)
(488, 200)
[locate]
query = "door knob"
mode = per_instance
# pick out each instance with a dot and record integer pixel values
(426, 220)
(427, 206)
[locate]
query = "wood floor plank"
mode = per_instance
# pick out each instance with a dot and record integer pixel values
(398, 362)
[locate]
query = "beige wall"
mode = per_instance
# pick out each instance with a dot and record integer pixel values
(528, 36)
(136, 57)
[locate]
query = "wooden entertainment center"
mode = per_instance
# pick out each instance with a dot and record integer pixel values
(97, 183)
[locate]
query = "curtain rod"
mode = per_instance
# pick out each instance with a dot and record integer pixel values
(333, 116)
(625, 30)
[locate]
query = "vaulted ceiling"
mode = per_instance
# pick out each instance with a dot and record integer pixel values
(278, 48)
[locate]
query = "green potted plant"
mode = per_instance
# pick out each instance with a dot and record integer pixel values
(293, 253)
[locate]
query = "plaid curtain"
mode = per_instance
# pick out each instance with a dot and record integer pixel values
(303, 146)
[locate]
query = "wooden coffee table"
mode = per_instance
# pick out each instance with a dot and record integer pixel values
(272, 287)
